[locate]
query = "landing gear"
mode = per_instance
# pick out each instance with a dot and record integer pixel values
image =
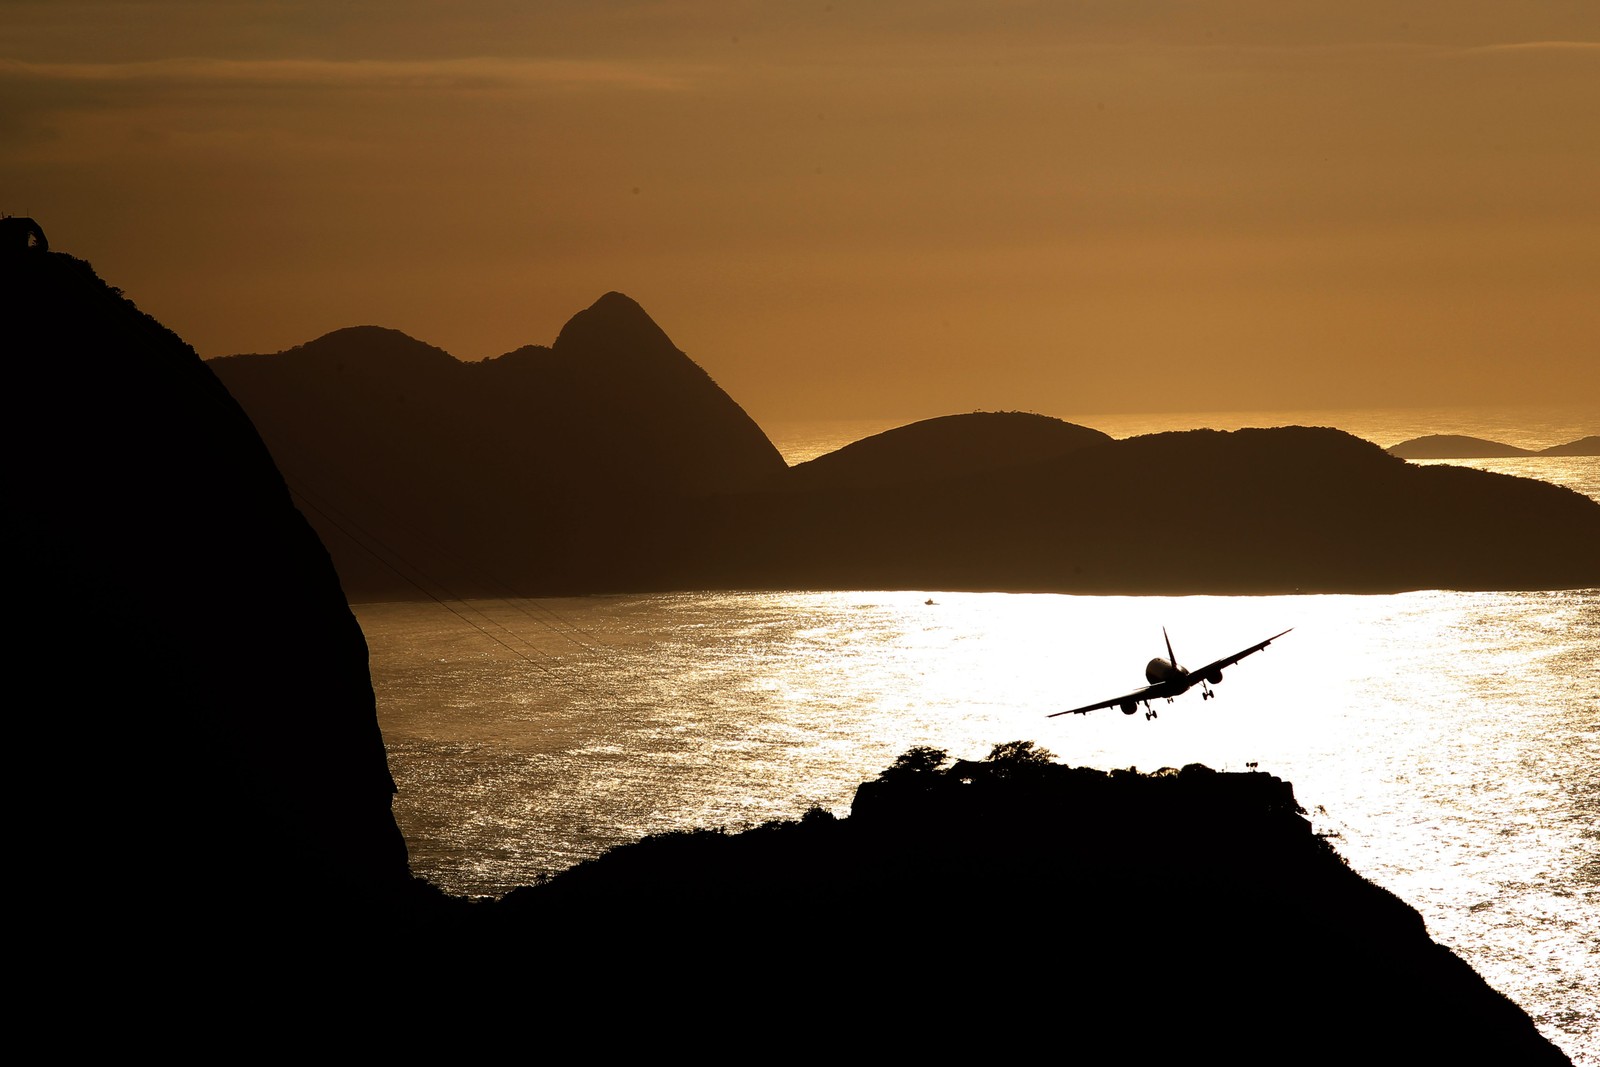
(1205, 692)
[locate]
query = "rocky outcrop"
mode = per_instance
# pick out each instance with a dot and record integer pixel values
(20, 235)
(192, 714)
(1157, 914)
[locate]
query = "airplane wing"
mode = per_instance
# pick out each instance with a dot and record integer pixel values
(1228, 661)
(1149, 692)
(1167, 689)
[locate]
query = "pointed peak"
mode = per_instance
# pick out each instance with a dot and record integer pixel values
(617, 303)
(614, 321)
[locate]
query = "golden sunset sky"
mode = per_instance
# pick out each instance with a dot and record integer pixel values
(852, 209)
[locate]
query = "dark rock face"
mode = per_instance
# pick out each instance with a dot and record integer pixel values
(192, 697)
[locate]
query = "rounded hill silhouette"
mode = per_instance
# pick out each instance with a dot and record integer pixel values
(1458, 446)
(1454, 446)
(951, 446)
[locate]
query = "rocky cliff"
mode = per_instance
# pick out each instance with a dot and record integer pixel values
(192, 714)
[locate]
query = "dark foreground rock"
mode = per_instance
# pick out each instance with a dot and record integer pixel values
(1180, 913)
(195, 746)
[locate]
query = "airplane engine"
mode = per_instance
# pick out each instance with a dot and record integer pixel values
(1128, 707)
(1214, 677)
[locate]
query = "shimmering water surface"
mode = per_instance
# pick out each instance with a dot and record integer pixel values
(1450, 740)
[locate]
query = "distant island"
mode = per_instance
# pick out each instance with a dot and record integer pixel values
(610, 462)
(212, 830)
(1456, 446)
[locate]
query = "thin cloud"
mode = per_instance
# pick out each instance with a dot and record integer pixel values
(486, 73)
(1592, 47)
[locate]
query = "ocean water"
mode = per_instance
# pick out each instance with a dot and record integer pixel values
(1446, 741)
(1449, 739)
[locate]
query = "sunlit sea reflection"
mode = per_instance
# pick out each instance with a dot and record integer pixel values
(1448, 739)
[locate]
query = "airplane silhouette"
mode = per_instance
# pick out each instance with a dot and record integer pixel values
(1169, 680)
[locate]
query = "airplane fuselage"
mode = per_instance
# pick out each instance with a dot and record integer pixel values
(1170, 681)
(1159, 670)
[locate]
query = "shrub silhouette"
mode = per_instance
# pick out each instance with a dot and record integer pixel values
(917, 763)
(1018, 754)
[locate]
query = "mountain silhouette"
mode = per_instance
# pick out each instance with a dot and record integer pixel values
(610, 462)
(630, 409)
(547, 469)
(1202, 511)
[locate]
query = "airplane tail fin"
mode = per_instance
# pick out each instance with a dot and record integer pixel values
(1170, 657)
